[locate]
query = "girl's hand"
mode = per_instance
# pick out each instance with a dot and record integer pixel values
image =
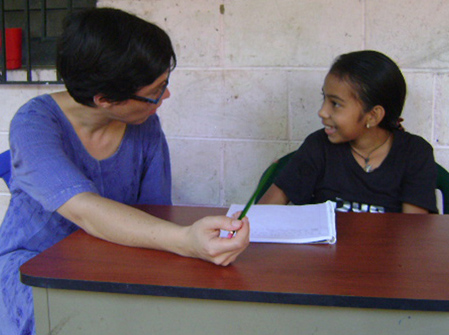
(204, 241)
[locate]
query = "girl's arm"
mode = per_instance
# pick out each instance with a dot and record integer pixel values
(412, 209)
(274, 195)
(123, 224)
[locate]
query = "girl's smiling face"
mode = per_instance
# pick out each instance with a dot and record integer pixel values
(342, 111)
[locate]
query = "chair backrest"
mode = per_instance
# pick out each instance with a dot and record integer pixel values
(442, 181)
(280, 164)
(443, 186)
(5, 166)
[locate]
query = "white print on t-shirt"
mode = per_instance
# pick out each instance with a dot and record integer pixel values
(348, 206)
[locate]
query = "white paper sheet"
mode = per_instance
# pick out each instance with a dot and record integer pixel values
(290, 224)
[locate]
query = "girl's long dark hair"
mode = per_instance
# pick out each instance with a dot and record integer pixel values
(377, 80)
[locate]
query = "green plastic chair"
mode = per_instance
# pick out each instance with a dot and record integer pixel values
(280, 164)
(442, 180)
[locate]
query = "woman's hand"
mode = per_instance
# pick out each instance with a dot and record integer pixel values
(122, 224)
(204, 241)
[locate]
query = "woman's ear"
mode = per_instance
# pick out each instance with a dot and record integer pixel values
(101, 101)
(375, 116)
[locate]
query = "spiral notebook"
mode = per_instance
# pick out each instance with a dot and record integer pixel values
(290, 224)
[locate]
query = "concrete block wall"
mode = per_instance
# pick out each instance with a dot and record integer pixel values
(248, 83)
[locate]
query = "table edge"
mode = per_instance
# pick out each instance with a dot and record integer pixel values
(240, 295)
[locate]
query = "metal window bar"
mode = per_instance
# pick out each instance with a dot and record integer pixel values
(27, 45)
(2, 25)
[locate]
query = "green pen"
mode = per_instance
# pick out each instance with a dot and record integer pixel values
(265, 178)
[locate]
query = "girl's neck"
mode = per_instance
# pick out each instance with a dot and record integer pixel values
(372, 150)
(372, 139)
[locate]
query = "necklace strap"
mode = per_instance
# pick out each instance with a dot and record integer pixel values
(366, 159)
(368, 167)
(369, 154)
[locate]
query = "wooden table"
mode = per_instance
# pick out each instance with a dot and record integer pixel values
(387, 274)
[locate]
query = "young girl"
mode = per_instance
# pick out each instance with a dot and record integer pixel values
(82, 156)
(362, 159)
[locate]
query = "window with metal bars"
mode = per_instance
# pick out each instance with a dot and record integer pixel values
(29, 30)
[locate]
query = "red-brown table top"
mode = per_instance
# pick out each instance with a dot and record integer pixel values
(396, 261)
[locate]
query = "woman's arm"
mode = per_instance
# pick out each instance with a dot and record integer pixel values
(123, 224)
(412, 209)
(274, 195)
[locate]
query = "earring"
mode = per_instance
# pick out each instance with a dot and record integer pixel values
(367, 125)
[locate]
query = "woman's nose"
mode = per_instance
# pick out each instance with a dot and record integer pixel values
(166, 94)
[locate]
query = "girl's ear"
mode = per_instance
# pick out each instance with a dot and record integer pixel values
(375, 116)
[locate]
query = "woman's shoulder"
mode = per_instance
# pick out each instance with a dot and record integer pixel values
(41, 101)
(38, 107)
(147, 136)
(149, 129)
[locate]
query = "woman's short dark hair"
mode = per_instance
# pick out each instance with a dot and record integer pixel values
(108, 51)
(377, 80)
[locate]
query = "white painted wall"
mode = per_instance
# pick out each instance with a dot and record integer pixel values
(248, 83)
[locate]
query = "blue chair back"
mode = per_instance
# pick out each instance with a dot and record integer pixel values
(5, 166)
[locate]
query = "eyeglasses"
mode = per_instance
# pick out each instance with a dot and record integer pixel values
(151, 101)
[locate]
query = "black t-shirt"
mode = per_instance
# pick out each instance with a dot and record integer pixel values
(321, 171)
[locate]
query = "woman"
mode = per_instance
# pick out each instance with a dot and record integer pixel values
(82, 156)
